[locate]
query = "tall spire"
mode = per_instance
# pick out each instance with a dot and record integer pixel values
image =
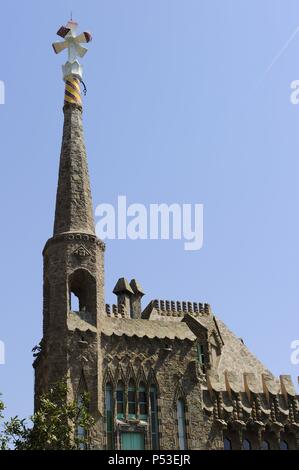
(73, 201)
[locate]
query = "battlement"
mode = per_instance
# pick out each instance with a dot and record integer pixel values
(173, 308)
(168, 308)
(181, 306)
(116, 311)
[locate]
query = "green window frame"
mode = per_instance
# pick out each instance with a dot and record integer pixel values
(132, 440)
(132, 400)
(181, 420)
(142, 399)
(120, 400)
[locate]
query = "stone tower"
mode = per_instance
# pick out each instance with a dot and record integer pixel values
(168, 376)
(73, 262)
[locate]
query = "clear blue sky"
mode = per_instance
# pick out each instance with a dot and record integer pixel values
(178, 109)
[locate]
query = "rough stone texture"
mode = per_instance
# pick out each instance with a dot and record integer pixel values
(141, 328)
(180, 347)
(73, 263)
(73, 202)
(175, 372)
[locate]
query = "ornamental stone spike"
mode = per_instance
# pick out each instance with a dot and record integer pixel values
(72, 42)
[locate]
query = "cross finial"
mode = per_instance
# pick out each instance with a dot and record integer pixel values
(72, 42)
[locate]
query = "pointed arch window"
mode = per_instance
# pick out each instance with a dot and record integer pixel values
(74, 303)
(265, 445)
(81, 431)
(132, 399)
(120, 400)
(283, 445)
(142, 398)
(201, 357)
(181, 419)
(246, 445)
(154, 418)
(82, 292)
(227, 444)
(109, 415)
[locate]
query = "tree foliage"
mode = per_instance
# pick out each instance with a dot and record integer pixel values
(57, 425)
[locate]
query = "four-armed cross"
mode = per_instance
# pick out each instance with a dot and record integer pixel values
(71, 41)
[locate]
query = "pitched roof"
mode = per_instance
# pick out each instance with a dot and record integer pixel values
(236, 356)
(237, 366)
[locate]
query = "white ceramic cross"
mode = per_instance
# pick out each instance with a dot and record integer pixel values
(71, 41)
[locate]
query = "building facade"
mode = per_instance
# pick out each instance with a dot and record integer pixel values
(167, 376)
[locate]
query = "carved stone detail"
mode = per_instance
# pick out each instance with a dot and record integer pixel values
(82, 252)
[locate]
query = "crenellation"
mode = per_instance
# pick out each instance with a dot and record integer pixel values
(122, 310)
(207, 309)
(116, 311)
(176, 307)
(173, 310)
